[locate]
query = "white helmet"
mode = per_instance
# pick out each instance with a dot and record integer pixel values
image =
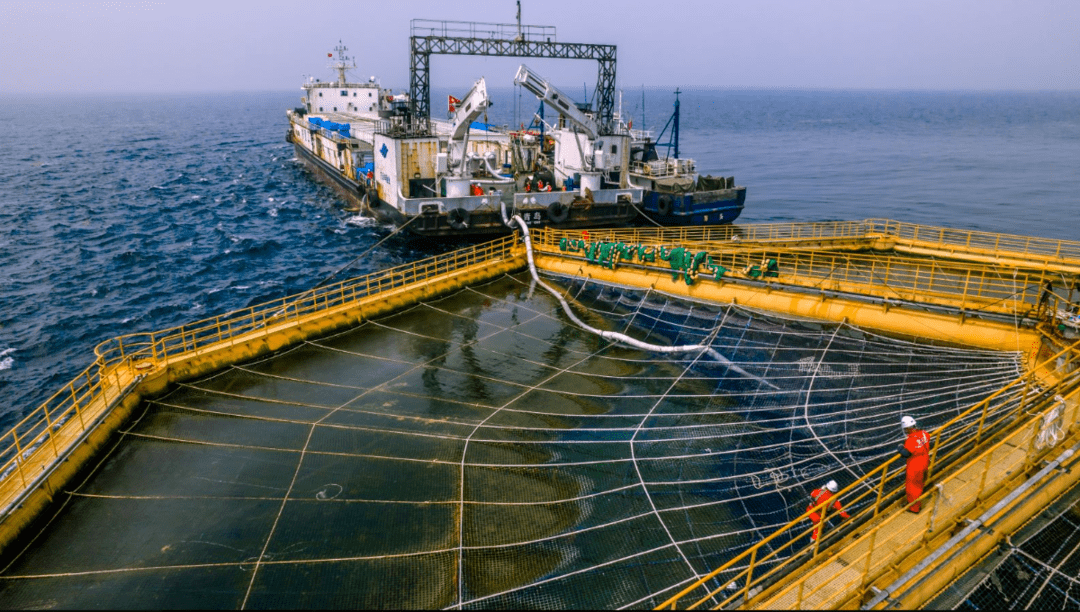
(907, 422)
(832, 486)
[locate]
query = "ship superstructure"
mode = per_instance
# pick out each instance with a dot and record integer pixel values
(388, 156)
(675, 193)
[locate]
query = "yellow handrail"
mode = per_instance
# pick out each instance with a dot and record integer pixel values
(99, 383)
(1047, 249)
(883, 470)
(964, 285)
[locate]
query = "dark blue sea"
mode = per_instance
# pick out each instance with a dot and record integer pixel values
(121, 214)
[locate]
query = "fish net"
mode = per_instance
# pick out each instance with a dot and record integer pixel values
(481, 451)
(1036, 569)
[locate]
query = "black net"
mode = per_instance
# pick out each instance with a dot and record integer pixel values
(1037, 569)
(482, 451)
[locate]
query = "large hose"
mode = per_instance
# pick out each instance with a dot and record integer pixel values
(616, 336)
(491, 170)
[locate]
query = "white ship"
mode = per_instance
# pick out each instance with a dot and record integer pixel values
(453, 177)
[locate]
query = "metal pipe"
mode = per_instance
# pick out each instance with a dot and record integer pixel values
(977, 524)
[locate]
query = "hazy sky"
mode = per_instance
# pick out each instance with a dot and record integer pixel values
(234, 45)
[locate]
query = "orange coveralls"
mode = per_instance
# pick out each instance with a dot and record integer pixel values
(820, 496)
(916, 450)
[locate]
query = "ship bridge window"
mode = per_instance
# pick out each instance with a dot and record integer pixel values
(354, 94)
(320, 94)
(369, 94)
(614, 149)
(344, 93)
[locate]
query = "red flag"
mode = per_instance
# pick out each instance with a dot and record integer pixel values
(451, 103)
(329, 55)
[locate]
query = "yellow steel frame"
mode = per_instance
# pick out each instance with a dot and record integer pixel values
(40, 439)
(964, 285)
(1030, 248)
(43, 435)
(863, 559)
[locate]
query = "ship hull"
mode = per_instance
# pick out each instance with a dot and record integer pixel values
(351, 191)
(487, 223)
(717, 207)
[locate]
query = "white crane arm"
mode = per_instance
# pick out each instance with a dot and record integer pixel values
(556, 99)
(472, 105)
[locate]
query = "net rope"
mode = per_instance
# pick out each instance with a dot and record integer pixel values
(601, 475)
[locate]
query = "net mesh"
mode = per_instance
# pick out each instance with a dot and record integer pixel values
(1038, 569)
(481, 451)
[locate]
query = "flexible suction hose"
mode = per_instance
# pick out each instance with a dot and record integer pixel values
(616, 336)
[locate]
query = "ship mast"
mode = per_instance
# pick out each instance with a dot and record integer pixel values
(343, 63)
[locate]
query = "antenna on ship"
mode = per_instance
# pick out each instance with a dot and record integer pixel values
(675, 128)
(343, 62)
(519, 36)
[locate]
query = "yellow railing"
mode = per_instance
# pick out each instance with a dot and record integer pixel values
(184, 339)
(964, 285)
(870, 229)
(62, 418)
(763, 232)
(973, 240)
(877, 493)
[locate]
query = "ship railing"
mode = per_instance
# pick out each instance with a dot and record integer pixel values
(405, 127)
(661, 168)
(967, 287)
(45, 434)
(976, 451)
(476, 29)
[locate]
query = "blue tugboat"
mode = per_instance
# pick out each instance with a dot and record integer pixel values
(675, 194)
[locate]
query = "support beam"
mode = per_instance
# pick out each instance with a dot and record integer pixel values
(495, 40)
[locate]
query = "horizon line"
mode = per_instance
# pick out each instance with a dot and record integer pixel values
(682, 88)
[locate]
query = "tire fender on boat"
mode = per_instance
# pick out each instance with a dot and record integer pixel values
(558, 212)
(664, 205)
(458, 218)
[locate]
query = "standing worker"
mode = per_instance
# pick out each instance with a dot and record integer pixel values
(916, 449)
(821, 496)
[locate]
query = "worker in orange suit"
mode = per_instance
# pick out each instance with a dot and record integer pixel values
(916, 450)
(821, 496)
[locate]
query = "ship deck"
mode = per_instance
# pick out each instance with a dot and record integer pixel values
(363, 128)
(442, 435)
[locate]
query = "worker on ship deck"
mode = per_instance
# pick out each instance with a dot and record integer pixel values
(916, 450)
(821, 496)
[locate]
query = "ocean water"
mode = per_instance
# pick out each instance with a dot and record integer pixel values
(122, 214)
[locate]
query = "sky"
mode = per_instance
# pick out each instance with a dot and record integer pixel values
(56, 46)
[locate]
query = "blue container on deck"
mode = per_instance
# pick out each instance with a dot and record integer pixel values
(315, 120)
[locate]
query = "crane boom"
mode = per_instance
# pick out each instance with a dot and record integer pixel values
(557, 99)
(471, 106)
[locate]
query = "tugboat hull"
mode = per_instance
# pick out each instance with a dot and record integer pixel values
(695, 208)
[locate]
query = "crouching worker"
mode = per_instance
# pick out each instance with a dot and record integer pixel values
(821, 496)
(916, 450)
